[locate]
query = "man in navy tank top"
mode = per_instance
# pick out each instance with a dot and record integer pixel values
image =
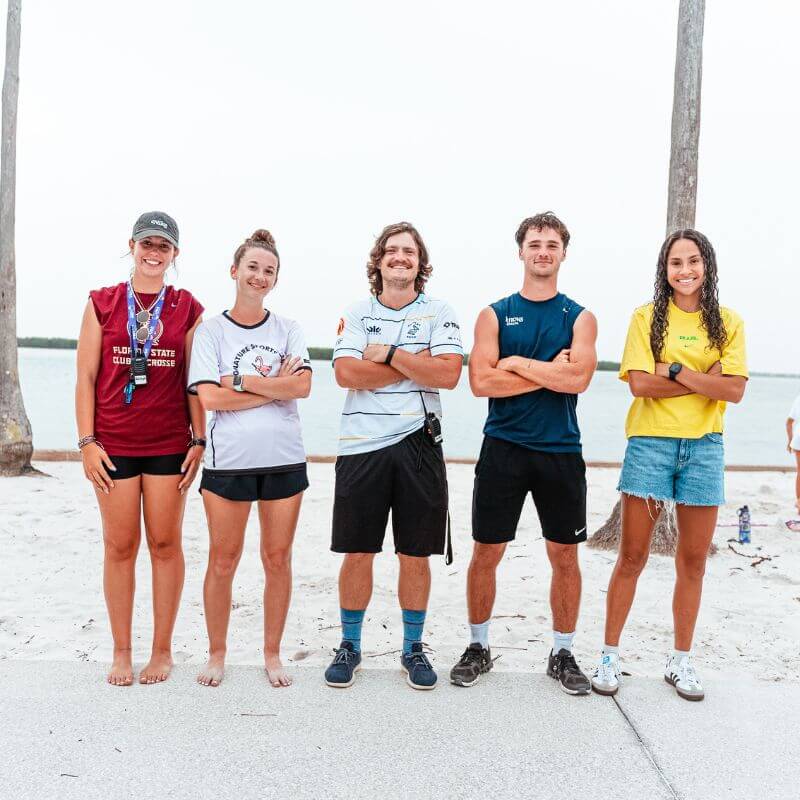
(534, 352)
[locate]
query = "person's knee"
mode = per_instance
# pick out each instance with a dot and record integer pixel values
(486, 556)
(691, 567)
(164, 548)
(223, 564)
(277, 560)
(630, 563)
(121, 546)
(358, 561)
(563, 558)
(417, 565)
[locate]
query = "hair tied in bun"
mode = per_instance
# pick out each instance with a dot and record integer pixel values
(262, 235)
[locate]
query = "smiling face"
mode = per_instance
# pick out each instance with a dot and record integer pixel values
(542, 252)
(685, 270)
(256, 274)
(400, 263)
(152, 256)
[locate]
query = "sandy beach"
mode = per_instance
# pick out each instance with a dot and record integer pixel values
(51, 603)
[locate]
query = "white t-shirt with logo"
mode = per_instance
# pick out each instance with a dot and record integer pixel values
(377, 418)
(794, 414)
(254, 440)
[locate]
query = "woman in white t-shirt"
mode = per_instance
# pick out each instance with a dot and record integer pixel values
(793, 446)
(249, 366)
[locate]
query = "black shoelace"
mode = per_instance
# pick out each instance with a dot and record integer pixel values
(567, 664)
(343, 655)
(419, 660)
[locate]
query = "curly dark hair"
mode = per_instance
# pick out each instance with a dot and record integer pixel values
(710, 317)
(379, 250)
(545, 219)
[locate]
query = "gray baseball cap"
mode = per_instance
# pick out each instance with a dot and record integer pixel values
(155, 223)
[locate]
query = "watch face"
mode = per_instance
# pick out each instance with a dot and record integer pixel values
(237, 383)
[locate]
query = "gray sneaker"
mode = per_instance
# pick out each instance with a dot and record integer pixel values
(475, 661)
(563, 667)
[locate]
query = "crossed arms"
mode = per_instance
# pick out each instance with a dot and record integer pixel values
(569, 372)
(712, 384)
(369, 372)
(292, 381)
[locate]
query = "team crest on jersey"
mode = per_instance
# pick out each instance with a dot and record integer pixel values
(413, 329)
(340, 329)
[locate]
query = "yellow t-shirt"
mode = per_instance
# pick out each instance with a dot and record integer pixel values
(689, 416)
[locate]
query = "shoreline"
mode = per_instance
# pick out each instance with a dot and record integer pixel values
(74, 455)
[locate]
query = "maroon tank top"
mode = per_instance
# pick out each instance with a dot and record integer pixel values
(157, 420)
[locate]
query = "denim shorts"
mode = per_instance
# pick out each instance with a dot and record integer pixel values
(685, 471)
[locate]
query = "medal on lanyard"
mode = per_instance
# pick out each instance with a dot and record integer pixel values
(141, 329)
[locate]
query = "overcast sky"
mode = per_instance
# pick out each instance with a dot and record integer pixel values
(325, 121)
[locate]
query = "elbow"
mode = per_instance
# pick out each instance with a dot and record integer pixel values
(342, 378)
(452, 381)
(478, 387)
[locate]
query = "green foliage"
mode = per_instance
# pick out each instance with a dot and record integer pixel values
(52, 344)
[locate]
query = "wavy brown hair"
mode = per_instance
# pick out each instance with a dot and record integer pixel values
(710, 317)
(546, 219)
(379, 251)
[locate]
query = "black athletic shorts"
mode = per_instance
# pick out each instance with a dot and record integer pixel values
(132, 466)
(256, 486)
(407, 478)
(504, 475)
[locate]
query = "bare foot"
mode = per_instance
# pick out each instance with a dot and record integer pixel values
(211, 674)
(276, 675)
(157, 669)
(121, 672)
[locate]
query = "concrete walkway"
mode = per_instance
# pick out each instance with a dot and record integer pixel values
(66, 734)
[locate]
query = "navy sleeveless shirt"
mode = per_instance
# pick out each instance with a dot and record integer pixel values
(540, 420)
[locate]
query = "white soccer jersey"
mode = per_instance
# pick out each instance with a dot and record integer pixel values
(376, 418)
(255, 440)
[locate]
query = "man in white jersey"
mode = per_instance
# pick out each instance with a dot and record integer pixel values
(393, 353)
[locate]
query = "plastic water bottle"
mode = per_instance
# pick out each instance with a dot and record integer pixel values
(744, 525)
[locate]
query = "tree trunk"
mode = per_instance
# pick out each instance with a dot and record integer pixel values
(681, 204)
(16, 440)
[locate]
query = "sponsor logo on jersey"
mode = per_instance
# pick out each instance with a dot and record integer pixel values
(514, 321)
(452, 325)
(373, 329)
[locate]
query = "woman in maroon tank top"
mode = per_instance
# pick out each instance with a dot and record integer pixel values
(141, 436)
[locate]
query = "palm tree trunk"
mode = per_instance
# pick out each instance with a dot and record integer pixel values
(16, 440)
(681, 204)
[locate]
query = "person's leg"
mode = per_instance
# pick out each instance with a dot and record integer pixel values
(638, 520)
(120, 511)
(696, 526)
(482, 581)
(227, 520)
(565, 592)
(163, 506)
(797, 481)
(278, 520)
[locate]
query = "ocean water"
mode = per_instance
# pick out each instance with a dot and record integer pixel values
(754, 429)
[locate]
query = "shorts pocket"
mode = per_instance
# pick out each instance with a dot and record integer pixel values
(716, 438)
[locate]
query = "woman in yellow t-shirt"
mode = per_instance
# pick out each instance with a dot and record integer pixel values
(684, 360)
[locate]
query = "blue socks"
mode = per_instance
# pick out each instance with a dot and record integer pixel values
(562, 641)
(351, 627)
(413, 622)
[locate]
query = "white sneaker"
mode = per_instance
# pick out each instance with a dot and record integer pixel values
(606, 677)
(680, 673)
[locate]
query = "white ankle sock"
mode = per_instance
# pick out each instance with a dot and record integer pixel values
(677, 655)
(479, 633)
(611, 649)
(562, 641)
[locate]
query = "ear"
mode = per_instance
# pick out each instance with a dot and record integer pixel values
(175, 255)
(233, 271)
(131, 243)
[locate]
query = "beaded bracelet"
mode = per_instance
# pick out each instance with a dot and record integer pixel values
(198, 441)
(82, 442)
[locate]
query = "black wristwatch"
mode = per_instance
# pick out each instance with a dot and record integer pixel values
(390, 354)
(674, 369)
(238, 385)
(198, 441)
